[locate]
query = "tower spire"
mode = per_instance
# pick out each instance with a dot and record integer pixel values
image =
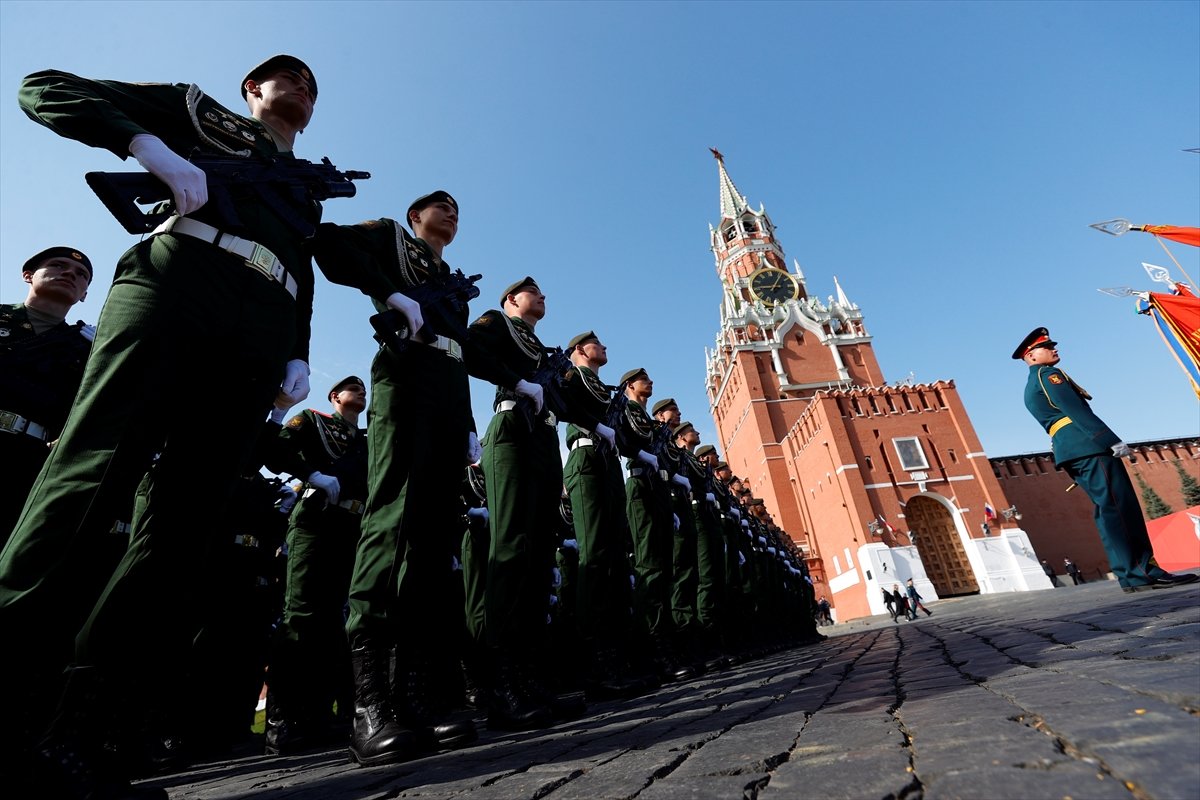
(733, 202)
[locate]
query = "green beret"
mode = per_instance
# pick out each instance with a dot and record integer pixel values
(666, 402)
(349, 380)
(279, 62)
(427, 200)
(705, 449)
(720, 466)
(682, 428)
(58, 252)
(633, 373)
(579, 339)
(526, 281)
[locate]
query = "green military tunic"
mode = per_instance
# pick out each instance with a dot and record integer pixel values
(709, 547)
(1082, 444)
(185, 324)
(39, 376)
(684, 577)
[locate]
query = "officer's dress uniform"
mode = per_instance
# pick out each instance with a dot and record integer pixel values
(39, 376)
(310, 661)
(1082, 446)
(184, 321)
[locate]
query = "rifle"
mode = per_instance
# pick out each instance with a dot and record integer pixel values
(615, 417)
(443, 301)
(550, 375)
(283, 184)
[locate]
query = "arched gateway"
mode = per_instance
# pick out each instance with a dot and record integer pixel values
(940, 546)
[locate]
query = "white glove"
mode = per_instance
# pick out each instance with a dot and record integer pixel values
(675, 518)
(289, 499)
(1121, 450)
(531, 390)
(294, 388)
(478, 513)
(328, 484)
(409, 308)
(745, 525)
(278, 415)
(556, 580)
(736, 514)
(187, 182)
(474, 449)
(682, 481)
(633, 581)
(607, 434)
(710, 497)
(762, 540)
(455, 564)
(771, 550)
(741, 559)
(570, 544)
(649, 459)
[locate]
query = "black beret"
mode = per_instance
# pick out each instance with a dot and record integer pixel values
(526, 281)
(666, 402)
(580, 338)
(429, 199)
(279, 62)
(58, 252)
(1038, 337)
(346, 381)
(705, 449)
(682, 428)
(633, 373)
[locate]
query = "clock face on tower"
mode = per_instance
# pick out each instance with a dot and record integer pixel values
(773, 286)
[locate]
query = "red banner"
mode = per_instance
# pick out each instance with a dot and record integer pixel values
(1175, 233)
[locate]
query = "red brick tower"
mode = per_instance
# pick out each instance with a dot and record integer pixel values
(875, 482)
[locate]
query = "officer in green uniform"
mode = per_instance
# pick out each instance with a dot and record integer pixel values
(731, 608)
(421, 434)
(41, 364)
(652, 526)
(592, 476)
(310, 662)
(1091, 454)
(523, 473)
(159, 345)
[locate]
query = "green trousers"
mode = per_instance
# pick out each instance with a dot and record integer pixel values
(183, 324)
(522, 470)
(592, 477)
(647, 507)
(418, 423)
(684, 578)
(710, 571)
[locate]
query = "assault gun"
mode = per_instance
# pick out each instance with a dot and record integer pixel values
(615, 417)
(550, 375)
(286, 185)
(443, 301)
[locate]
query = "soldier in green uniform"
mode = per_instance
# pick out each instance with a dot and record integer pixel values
(41, 363)
(160, 344)
(421, 434)
(309, 661)
(593, 480)
(523, 473)
(1091, 454)
(652, 524)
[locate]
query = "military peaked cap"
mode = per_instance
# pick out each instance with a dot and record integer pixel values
(281, 61)
(1038, 337)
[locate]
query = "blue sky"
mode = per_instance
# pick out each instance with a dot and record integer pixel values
(943, 160)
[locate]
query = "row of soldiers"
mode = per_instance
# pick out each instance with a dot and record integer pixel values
(218, 298)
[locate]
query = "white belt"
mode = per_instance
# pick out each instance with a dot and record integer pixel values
(581, 442)
(257, 257)
(15, 423)
(509, 405)
(353, 506)
(446, 345)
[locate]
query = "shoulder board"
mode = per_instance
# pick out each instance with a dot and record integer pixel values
(296, 421)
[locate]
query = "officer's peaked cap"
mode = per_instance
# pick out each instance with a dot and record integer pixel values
(1038, 337)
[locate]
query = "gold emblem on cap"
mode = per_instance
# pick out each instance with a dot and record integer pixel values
(77, 256)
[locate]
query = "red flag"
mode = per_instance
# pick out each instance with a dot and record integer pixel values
(1175, 233)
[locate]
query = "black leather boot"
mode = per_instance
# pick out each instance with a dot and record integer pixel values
(509, 707)
(69, 763)
(377, 738)
(411, 700)
(666, 661)
(284, 733)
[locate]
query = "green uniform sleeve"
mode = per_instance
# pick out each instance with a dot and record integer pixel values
(358, 256)
(489, 349)
(1062, 393)
(297, 450)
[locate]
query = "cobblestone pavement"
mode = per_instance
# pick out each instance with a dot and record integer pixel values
(1079, 692)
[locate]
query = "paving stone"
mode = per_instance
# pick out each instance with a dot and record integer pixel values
(1066, 782)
